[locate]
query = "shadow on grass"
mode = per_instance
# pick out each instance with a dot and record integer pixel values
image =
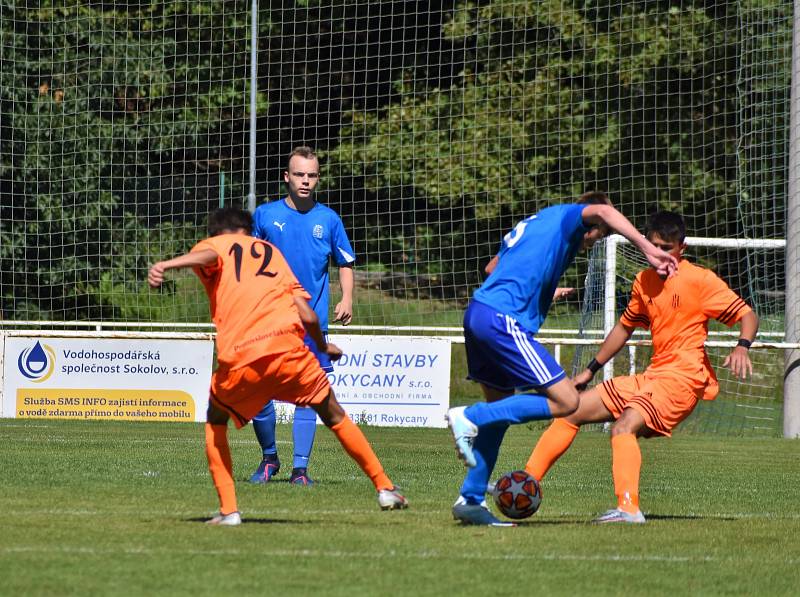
(273, 481)
(530, 524)
(650, 517)
(245, 482)
(559, 522)
(248, 520)
(689, 517)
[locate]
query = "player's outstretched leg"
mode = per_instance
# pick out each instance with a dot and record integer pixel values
(502, 409)
(358, 448)
(555, 440)
(264, 426)
(304, 429)
(220, 465)
(511, 410)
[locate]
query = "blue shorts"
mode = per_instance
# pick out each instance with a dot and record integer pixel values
(504, 355)
(324, 359)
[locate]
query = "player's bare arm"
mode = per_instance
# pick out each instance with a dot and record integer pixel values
(311, 323)
(343, 311)
(614, 342)
(664, 263)
(155, 277)
(491, 265)
(738, 361)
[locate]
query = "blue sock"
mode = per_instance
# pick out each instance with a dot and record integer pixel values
(486, 449)
(264, 426)
(519, 408)
(304, 428)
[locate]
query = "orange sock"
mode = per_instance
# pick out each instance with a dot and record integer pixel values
(626, 459)
(357, 446)
(554, 442)
(221, 466)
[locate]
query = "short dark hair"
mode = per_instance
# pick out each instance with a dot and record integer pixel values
(594, 198)
(229, 219)
(304, 151)
(669, 225)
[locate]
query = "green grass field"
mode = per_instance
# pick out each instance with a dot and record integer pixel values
(92, 508)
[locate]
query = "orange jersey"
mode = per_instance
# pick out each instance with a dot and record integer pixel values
(676, 311)
(250, 289)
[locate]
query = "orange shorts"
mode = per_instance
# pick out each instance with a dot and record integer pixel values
(663, 400)
(293, 376)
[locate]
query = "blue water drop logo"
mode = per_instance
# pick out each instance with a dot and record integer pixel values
(37, 363)
(37, 359)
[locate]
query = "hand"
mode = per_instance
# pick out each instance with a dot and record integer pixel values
(581, 380)
(562, 293)
(343, 312)
(155, 277)
(333, 351)
(739, 362)
(665, 264)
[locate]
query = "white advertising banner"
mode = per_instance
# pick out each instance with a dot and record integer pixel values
(391, 381)
(104, 378)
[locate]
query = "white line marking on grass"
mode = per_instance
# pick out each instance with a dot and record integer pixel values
(391, 554)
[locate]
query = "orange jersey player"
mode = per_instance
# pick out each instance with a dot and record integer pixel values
(676, 311)
(261, 313)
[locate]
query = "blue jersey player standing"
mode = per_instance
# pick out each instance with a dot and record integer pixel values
(500, 325)
(308, 234)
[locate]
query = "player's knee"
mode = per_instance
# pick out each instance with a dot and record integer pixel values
(622, 426)
(617, 429)
(305, 414)
(215, 415)
(330, 411)
(566, 404)
(266, 413)
(568, 408)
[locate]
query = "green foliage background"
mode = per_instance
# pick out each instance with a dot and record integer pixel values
(122, 122)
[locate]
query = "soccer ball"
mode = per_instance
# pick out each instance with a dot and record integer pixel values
(517, 495)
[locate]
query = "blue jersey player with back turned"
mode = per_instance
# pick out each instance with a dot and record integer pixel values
(308, 234)
(500, 325)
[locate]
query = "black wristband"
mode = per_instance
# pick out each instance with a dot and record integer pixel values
(594, 366)
(744, 342)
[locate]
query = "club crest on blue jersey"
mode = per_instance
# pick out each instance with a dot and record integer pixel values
(317, 232)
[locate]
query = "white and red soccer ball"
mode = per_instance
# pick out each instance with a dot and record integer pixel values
(517, 495)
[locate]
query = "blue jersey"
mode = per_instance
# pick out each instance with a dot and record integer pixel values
(307, 241)
(532, 258)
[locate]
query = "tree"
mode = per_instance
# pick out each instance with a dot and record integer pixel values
(116, 121)
(639, 98)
